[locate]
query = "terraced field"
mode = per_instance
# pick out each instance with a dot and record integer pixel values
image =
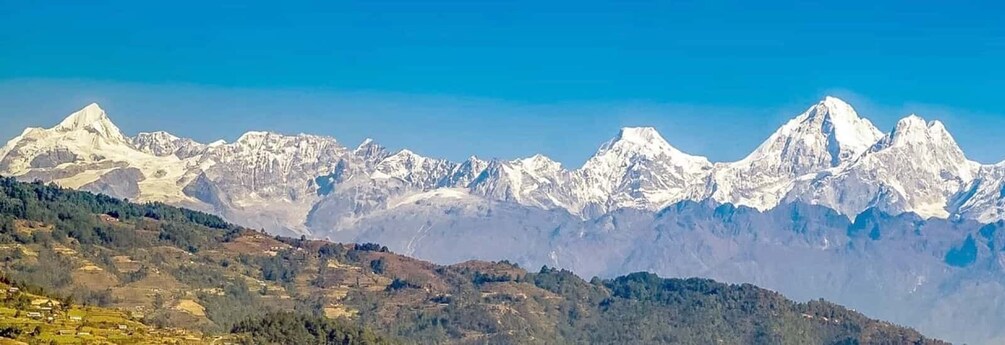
(32, 318)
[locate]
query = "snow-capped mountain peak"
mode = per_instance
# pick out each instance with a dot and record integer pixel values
(419, 171)
(397, 165)
(827, 135)
(84, 117)
(632, 142)
(463, 174)
(540, 162)
(918, 167)
(852, 133)
(94, 120)
(366, 144)
(406, 154)
(925, 139)
(635, 143)
(87, 151)
(252, 136)
(639, 168)
(370, 152)
(641, 136)
(913, 129)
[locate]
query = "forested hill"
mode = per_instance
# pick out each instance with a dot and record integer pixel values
(173, 267)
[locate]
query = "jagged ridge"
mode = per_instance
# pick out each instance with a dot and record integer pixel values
(828, 155)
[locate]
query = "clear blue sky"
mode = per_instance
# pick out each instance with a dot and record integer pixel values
(504, 78)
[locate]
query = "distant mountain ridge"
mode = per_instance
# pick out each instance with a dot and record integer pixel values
(827, 206)
(827, 156)
(174, 267)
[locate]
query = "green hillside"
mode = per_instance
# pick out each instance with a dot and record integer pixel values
(175, 268)
(30, 317)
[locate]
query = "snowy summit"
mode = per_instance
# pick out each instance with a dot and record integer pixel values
(827, 155)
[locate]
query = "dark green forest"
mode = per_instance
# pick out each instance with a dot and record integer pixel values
(292, 328)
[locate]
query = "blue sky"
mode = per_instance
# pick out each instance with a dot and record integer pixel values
(504, 78)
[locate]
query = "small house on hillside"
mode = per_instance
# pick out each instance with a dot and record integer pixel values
(45, 302)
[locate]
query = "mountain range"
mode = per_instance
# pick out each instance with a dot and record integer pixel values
(826, 156)
(898, 224)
